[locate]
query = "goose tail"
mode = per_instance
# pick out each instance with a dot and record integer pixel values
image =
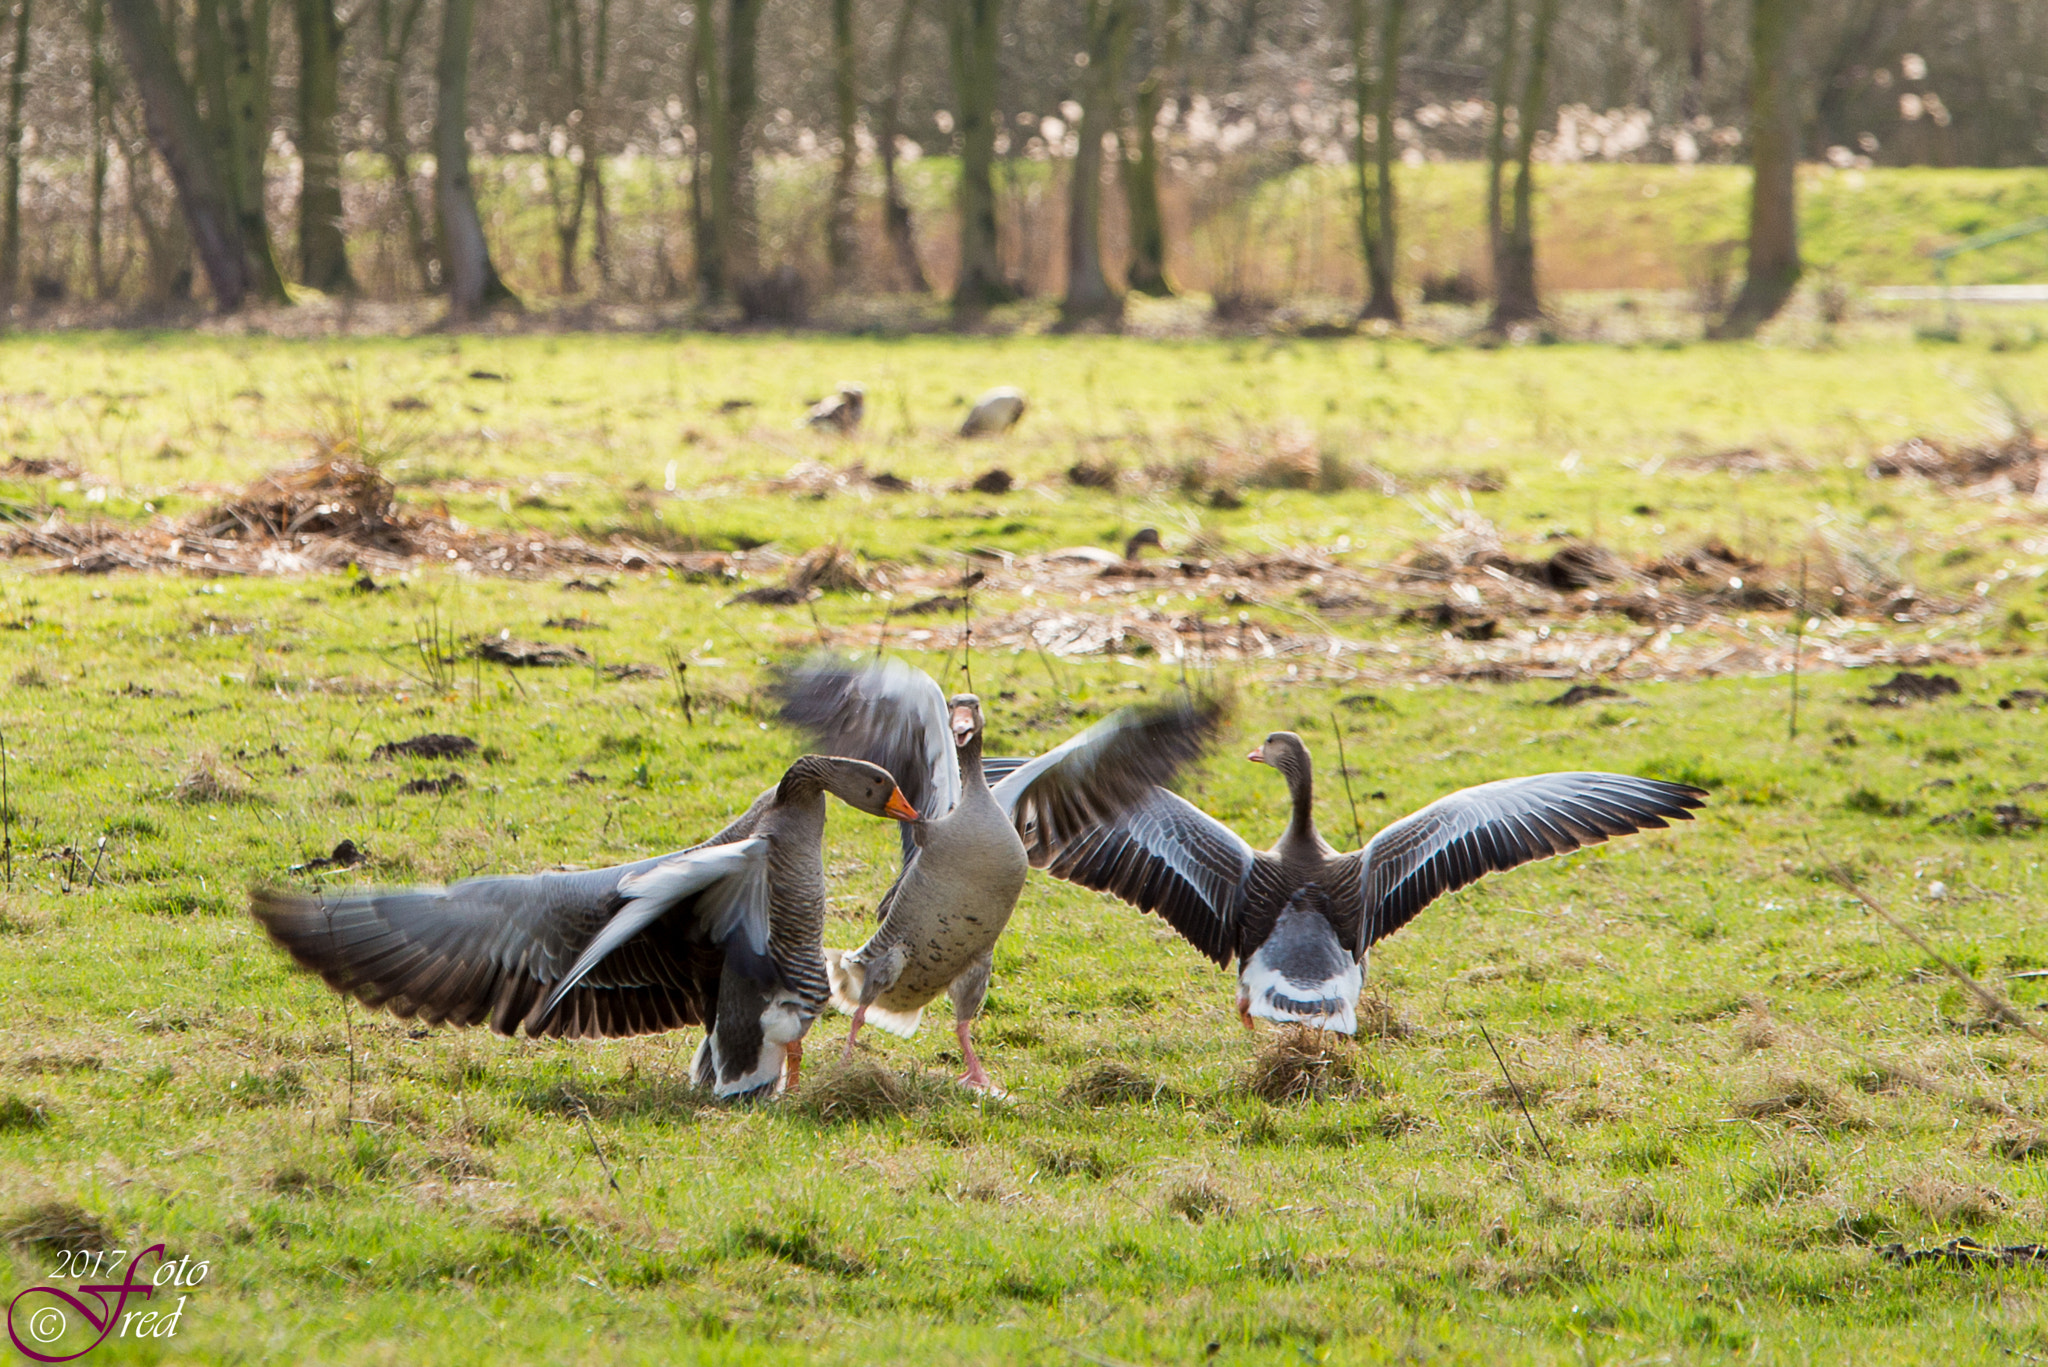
(849, 979)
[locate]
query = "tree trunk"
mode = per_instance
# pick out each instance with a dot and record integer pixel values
(1089, 296)
(1147, 271)
(842, 241)
(568, 192)
(1378, 206)
(472, 281)
(181, 140)
(1497, 132)
(10, 159)
(1514, 264)
(1774, 156)
(1694, 102)
(896, 224)
(394, 41)
(974, 33)
(231, 45)
(706, 164)
(593, 146)
(99, 126)
(323, 251)
(734, 220)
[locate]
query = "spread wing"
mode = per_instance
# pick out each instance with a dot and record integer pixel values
(886, 713)
(1476, 831)
(1111, 767)
(620, 951)
(1164, 856)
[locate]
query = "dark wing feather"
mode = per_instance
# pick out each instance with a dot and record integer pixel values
(1108, 769)
(886, 713)
(1164, 856)
(493, 950)
(1476, 831)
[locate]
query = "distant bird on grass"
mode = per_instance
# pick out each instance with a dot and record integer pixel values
(841, 412)
(1299, 918)
(728, 934)
(1144, 538)
(964, 862)
(994, 413)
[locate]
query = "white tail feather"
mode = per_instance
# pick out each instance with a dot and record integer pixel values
(849, 979)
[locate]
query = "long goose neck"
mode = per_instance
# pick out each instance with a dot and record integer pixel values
(971, 776)
(1301, 789)
(802, 783)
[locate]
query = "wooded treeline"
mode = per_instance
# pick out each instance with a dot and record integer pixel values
(151, 147)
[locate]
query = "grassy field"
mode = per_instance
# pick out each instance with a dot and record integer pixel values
(1744, 1084)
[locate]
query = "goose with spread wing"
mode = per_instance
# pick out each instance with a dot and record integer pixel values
(1299, 918)
(728, 934)
(964, 862)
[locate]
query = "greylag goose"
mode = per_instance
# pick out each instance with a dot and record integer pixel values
(964, 862)
(841, 412)
(1300, 918)
(728, 934)
(994, 413)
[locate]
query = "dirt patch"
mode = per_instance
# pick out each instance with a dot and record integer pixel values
(342, 498)
(1579, 693)
(1907, 687)
(429, 746)
(347, 855)
(1965, 1253)
(447, 783)
(31, 467)
(506, 650)
(825, 569)
(995, 480)
(573, 624)
(815, 479)
(2009, 466)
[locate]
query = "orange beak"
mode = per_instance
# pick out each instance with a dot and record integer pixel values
(899, 806)
(1257, 756)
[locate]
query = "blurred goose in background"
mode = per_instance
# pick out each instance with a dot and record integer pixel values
(994, 413)
(841, 412)
(1300, 918)
(1134, 545)
(728, 934)
(964, 862)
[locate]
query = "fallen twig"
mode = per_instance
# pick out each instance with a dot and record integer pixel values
(1516, 1088)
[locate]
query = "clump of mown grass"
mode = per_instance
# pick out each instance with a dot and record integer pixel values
(204, 783)
(1755, 1031)
(54, 1224)
(1110, 1083)
(1074, 1160)
(1300, 1064)
(1945, 1201)
(1380, 1019)
(2017, 1143)
(18, 1113)
(1795, 1098)
(861, 1089)
(1199, 1200)
(803, 1243)
(1781, 1177)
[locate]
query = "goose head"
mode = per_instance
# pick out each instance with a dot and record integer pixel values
(862, 786)
(963, 715)
(1285, 752)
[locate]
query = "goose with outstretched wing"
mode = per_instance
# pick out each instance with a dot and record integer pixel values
(1299, 918)
(728, 934)
(965, 860)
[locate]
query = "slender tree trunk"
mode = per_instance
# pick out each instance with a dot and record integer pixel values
(1089, 296)
(568, 192)
(232, 44)
(593, 144)
(1497, 131)
(99, 125)
(1147, 271)
(707, 106)
(395, 30)
(1514, 265)
(1376, 196)
(472, 281)
(842, 241)
(10, 159)
(1774, 265)
(182, 141)
(1694, 101)
(323, 251)
(896, 222)
(733, 216)
(974, 32)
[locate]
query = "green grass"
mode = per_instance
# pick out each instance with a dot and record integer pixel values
(1727, 1057)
